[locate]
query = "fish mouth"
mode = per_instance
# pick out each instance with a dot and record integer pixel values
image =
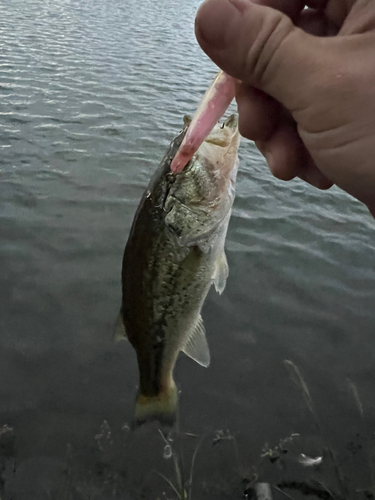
(224, 134)
(213, 105)
(231, 122)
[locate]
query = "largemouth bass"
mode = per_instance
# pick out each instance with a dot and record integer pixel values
(174, 253)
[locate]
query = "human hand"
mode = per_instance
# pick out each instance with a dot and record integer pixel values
(307, 96)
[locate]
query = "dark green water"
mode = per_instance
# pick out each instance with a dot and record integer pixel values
(91, 93)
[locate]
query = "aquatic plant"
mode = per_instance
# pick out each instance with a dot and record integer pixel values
(182, 487)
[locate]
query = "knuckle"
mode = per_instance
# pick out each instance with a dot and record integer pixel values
(274, 29)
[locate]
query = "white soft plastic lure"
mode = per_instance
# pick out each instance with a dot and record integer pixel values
(212, 107)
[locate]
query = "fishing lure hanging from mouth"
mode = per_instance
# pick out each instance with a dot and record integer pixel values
(212, 107)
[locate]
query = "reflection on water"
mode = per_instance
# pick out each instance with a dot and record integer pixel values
(91, 93)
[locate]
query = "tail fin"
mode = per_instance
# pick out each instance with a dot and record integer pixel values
(162, 407)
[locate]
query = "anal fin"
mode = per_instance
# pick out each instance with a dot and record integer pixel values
(196, 346)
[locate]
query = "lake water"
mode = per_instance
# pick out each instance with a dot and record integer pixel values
(91, 94)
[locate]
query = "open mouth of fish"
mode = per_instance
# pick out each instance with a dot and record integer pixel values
(212, 107)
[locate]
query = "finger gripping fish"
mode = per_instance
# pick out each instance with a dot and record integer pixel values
(174, 253)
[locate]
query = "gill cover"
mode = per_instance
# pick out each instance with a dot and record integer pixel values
(202, 194)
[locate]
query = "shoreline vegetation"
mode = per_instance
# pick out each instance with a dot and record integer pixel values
(175, 461)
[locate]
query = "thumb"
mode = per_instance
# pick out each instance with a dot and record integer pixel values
(261, 47)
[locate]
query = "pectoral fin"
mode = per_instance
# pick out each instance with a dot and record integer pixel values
(120, 333)
(196, 346)
(221, 273)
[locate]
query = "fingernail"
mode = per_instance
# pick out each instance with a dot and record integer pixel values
(213, 19)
